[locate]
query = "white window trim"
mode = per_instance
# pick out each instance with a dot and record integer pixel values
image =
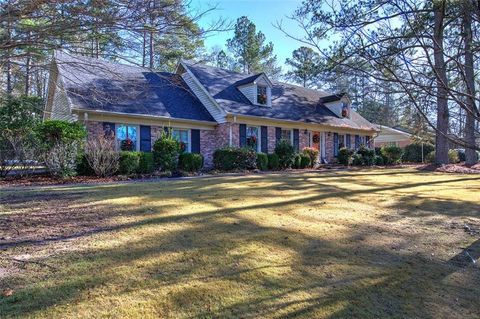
(259, 138)
(268, 92)
(291, 133)
(189, 137)
(117, 144)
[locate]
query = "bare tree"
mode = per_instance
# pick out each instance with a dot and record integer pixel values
(411, 46)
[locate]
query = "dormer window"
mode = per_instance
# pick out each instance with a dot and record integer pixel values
(262, 95)
(344, 109)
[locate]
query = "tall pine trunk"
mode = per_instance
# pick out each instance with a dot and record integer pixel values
(152, 52)
(441, 140)
(144, 48)
(27, 75)
(470, 153)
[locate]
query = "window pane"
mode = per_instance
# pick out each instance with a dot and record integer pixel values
(341, 141)
(287, 135)
(121, 132)
(252, 137)
(261, 95)
(132, 135)
(182, 137)
(127, 137)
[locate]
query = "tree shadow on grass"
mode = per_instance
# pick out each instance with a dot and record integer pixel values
(311, 277)
(269, 271)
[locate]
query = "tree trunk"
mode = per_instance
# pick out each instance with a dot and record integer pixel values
(470, 153)
(151, 50)
(144, 49)
(8, 61)
(441, 141)
(27, 75)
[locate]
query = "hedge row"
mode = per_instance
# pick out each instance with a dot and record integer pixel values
(233, 158)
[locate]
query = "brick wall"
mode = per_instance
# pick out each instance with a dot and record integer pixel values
(210, 140)
(272, 139)
(94, 128)
(155, 132)
(303, 139)
(329, 147)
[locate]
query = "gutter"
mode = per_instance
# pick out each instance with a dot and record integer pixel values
(236, 116)
(156, 117)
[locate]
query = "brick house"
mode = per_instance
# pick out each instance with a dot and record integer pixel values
(205, 107)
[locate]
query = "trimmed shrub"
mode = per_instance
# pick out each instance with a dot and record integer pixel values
(393, 154)
(61, 159)
(52, 132)
(146, 164)
(166, 150)
(296, 160)
(304, 161)
(345, 156)
(378, 160)
(413, 152)
(286, 154)
(312, 154)
(190, 162)
(231, 158)
(461, 154)
(430, 158)
(453, 157)
(129, 162)
(60, 144)
(83, 167)
(101, 155)
(262, 161)
(367, 155)
(357, 160)
(273, 161)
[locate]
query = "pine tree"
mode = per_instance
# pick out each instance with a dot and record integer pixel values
(250, 50)
(305, 64)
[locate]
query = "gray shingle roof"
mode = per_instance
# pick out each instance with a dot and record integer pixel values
(96, 84)
(289, 102)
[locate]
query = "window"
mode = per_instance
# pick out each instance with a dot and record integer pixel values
(183, 137)
(127, 137)
(262, 95)
(287, 135)
(341, 141)
(253, 138)
(345, 109)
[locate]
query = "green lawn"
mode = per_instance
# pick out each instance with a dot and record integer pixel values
(339, 244)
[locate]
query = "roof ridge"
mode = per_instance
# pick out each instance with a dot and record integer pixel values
(102, 59)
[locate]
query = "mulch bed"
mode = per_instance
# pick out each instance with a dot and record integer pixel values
(460, 168)
(45, 180)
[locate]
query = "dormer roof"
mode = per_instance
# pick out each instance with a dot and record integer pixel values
(333, 97)
(254, 79)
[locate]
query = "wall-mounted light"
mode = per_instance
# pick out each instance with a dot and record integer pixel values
(305, 132)
(329, 133)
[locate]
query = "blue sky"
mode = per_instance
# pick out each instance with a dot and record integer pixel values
(264, 13)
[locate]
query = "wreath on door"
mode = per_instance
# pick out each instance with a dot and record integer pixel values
(316, 138)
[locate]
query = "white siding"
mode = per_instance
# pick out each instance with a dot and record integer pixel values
(337, 106)
(211, 107)
(58, 104)
(250, 92)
